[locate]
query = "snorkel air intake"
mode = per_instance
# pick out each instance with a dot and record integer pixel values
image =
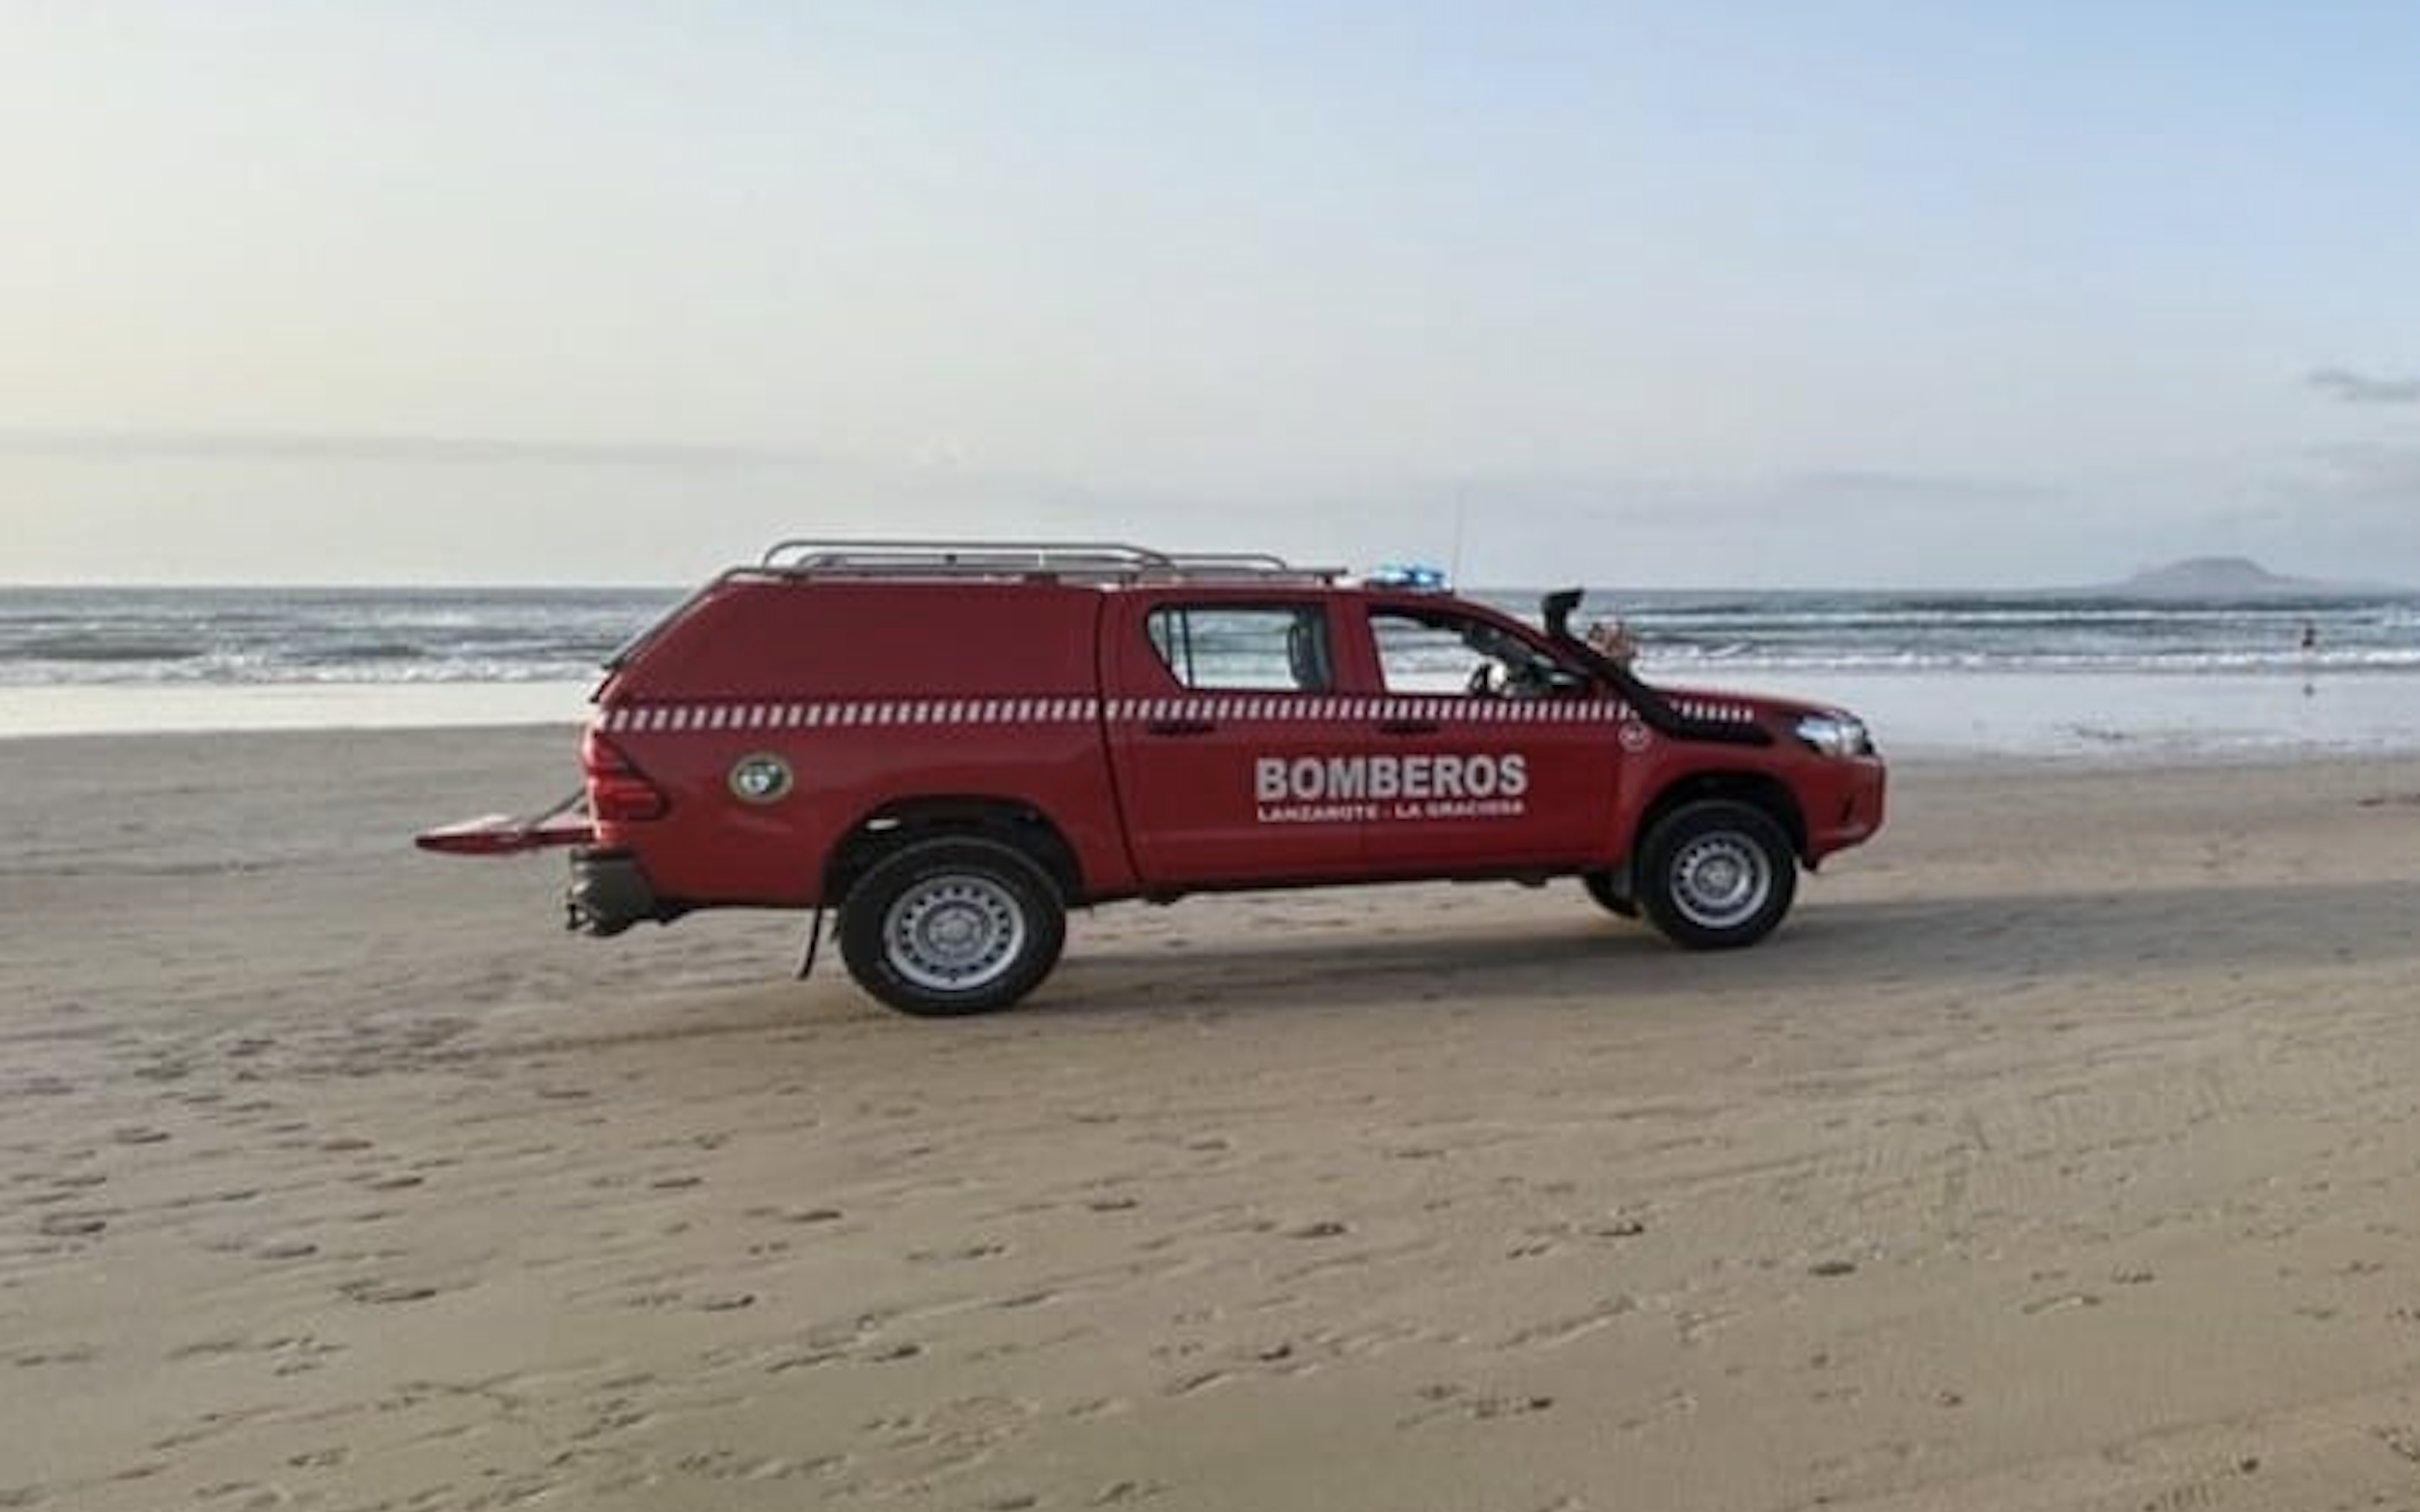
(1654, 710)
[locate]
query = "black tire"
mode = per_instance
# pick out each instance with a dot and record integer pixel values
(951, 926)
(1608, 895)
(1716, 875)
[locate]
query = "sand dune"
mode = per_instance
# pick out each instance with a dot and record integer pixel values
(2060, 1153)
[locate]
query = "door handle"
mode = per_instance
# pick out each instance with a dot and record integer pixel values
(1407, 727)
(1180, 726)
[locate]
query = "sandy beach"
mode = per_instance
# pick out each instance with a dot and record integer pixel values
(2063, 1152)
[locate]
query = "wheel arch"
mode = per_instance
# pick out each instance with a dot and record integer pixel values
(1760, 790)
(1010, 821)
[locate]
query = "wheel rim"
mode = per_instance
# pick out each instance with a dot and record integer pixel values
(1720, 880)
(954, 934)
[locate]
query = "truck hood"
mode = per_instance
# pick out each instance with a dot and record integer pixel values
(1827, 727)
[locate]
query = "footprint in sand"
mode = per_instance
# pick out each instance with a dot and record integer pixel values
(798, 1215)
(980, 1249)
(1118, 1493)
(375, 1291)
(1444, 1399)
(2059, 1302)
(319, 1459)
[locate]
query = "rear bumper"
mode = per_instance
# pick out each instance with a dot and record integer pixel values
(609, 892)
(501, 834)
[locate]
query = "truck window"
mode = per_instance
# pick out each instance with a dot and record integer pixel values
(1225, 648)
(1443, 652)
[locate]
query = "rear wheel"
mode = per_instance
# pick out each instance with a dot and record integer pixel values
(952, 925)
(1716, 875)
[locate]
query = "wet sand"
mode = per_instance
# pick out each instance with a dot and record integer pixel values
(2060, 1153)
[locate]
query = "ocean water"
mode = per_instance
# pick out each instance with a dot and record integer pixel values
(1975, 673)
(2101, 676)
(87, 660)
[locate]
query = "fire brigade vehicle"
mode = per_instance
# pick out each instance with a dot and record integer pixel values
(949, 745)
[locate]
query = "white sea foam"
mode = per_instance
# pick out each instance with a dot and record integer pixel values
(123, 710)
(1940, 672)
(2120, 717)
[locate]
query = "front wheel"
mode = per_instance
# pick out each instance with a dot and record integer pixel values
(952, 926)
(1716, 875)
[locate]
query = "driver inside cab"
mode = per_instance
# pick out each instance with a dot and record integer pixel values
(1513, 668)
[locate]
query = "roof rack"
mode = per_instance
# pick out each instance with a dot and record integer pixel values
(1077, 560)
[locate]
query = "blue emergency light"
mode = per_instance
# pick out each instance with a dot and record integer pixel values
(1399, 574)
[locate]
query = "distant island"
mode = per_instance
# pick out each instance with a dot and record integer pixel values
(2230, 577)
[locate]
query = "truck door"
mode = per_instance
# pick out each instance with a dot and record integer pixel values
(1221, 711)
(1504, 757)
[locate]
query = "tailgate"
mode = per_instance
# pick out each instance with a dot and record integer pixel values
(502, 834)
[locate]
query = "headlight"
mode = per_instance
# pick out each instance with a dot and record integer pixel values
(1836, 734)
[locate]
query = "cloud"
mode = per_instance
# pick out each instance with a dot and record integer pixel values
(1877, 486)
(486, 451)
(2363, 472)
(2347, 386)
(1884, 484)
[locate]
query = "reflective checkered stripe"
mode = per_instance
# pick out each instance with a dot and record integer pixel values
(709, 718)
(1254, 709)
(976, 714)
(1714, 711)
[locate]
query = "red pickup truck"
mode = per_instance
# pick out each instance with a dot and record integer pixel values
(953, 743)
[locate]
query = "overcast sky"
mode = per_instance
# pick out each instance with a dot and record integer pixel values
(1660, 295)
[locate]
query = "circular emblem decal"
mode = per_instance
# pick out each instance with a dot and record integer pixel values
(1636, 736)
(761, 777)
